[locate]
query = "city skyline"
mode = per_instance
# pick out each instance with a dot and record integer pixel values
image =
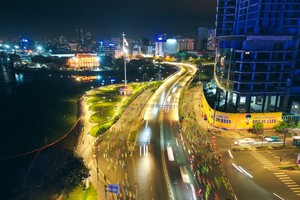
(34, 19)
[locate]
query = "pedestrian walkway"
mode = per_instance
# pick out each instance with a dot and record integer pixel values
(265, 162)
(290, 183)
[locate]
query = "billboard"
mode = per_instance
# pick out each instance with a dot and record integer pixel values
(238, 120)
(114, 188)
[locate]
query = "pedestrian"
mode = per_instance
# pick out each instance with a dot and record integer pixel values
(280, 159)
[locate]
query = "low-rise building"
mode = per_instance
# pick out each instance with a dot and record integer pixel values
(84, 61)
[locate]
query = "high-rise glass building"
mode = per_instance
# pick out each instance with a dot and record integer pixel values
(257, 66)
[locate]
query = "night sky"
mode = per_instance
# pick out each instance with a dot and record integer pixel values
(105, 18)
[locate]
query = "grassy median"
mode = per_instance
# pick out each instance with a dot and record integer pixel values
(108, 104)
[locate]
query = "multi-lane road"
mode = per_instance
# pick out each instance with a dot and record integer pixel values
(160, 164)
(156, 175)
(265, 179)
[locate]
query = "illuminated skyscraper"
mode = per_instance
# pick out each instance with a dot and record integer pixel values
(257, 66)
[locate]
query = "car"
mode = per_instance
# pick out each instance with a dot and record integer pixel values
(184, 174)
(272, 139)
(244, 141)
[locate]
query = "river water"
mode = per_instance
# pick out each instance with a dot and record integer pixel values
(19, 89)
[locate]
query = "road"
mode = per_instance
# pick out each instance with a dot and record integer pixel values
(144, 171)
(162, 120)
(267, 181)
(149, 173)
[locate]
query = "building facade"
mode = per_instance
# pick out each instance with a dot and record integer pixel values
(202, 37)
(257, 67)
(84, 61)
(211, 40)
(169, 46)
(186, 44)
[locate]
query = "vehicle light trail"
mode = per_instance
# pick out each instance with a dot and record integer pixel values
(230, 153)
(279, 197)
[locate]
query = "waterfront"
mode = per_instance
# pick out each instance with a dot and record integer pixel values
(39, 107)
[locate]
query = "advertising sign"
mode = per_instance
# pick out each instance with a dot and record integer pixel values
(114, 188)
(238, 120)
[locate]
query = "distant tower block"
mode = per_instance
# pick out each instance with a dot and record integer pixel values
(73, 46)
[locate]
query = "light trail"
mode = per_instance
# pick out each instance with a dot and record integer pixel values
(230, 153)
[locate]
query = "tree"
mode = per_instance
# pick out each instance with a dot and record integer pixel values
(51, 174)
(258, 127)
(284, 127)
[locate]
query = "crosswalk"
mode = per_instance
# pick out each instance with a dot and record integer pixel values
(283, 177)
(266, 163)
(290, 183)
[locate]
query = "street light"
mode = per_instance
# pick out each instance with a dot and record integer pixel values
(124, 52)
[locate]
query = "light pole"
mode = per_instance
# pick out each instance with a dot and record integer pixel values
(125, 81)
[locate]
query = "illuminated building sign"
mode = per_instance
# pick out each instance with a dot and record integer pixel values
(238, 120)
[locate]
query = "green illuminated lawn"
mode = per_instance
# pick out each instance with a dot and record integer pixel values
(107, 104)
(77, 194)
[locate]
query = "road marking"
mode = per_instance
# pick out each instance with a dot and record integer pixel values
(266, 166)
(284, 178)
(293, 185)
(278, 173)
(290, 183)
(287, 180)
(297, 188)
(267, 163)
(296, 191)
(281, 175)
(140, 150)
